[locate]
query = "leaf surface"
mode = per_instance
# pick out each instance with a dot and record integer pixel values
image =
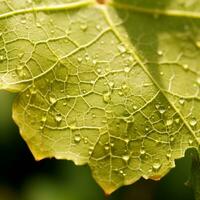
(114, 85)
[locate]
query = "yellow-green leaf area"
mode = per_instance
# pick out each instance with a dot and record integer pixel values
(112, 84)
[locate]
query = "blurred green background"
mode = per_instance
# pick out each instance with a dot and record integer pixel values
(22, 178)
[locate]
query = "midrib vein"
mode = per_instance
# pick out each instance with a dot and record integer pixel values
(58, 7)
(117, 34)
(155, 11)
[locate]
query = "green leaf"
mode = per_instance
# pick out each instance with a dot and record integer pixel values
(114, 85)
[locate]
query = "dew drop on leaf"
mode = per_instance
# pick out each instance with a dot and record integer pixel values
(121, 48)
(52, 100)
(156, 166)
(193, 121)
(77, 138)
(181, 101)
(107, 97)
(58, 117)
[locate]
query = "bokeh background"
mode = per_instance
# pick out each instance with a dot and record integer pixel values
(22, 178)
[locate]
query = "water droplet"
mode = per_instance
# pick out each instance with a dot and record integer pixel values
(169, 122)
(121, 48)
(98, 27)
(94, 62)
(85, 140)
(168, 155)
(181, 101)
(160, 53)
(23, 20)
(142, 151)
(44, 119)
(58, 117)
(79, 59)
(87, 58)
(20, 71)
(193, 121)
(84, 26)
(107, 97)
(111, 84)
(177, 120)
(156, 166)
(198, 80)
(99, 71)
(38, 25)
(185, 66)
(52, 100)
(112, 144)
(127, 69)
(1, 58)
(135, 107)
(198, 43)
(161, 109)
(106, 147)
(77, 138)
(33, 90)
(190, 141)
(161, 73)
(91, 148)
(120, 93)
